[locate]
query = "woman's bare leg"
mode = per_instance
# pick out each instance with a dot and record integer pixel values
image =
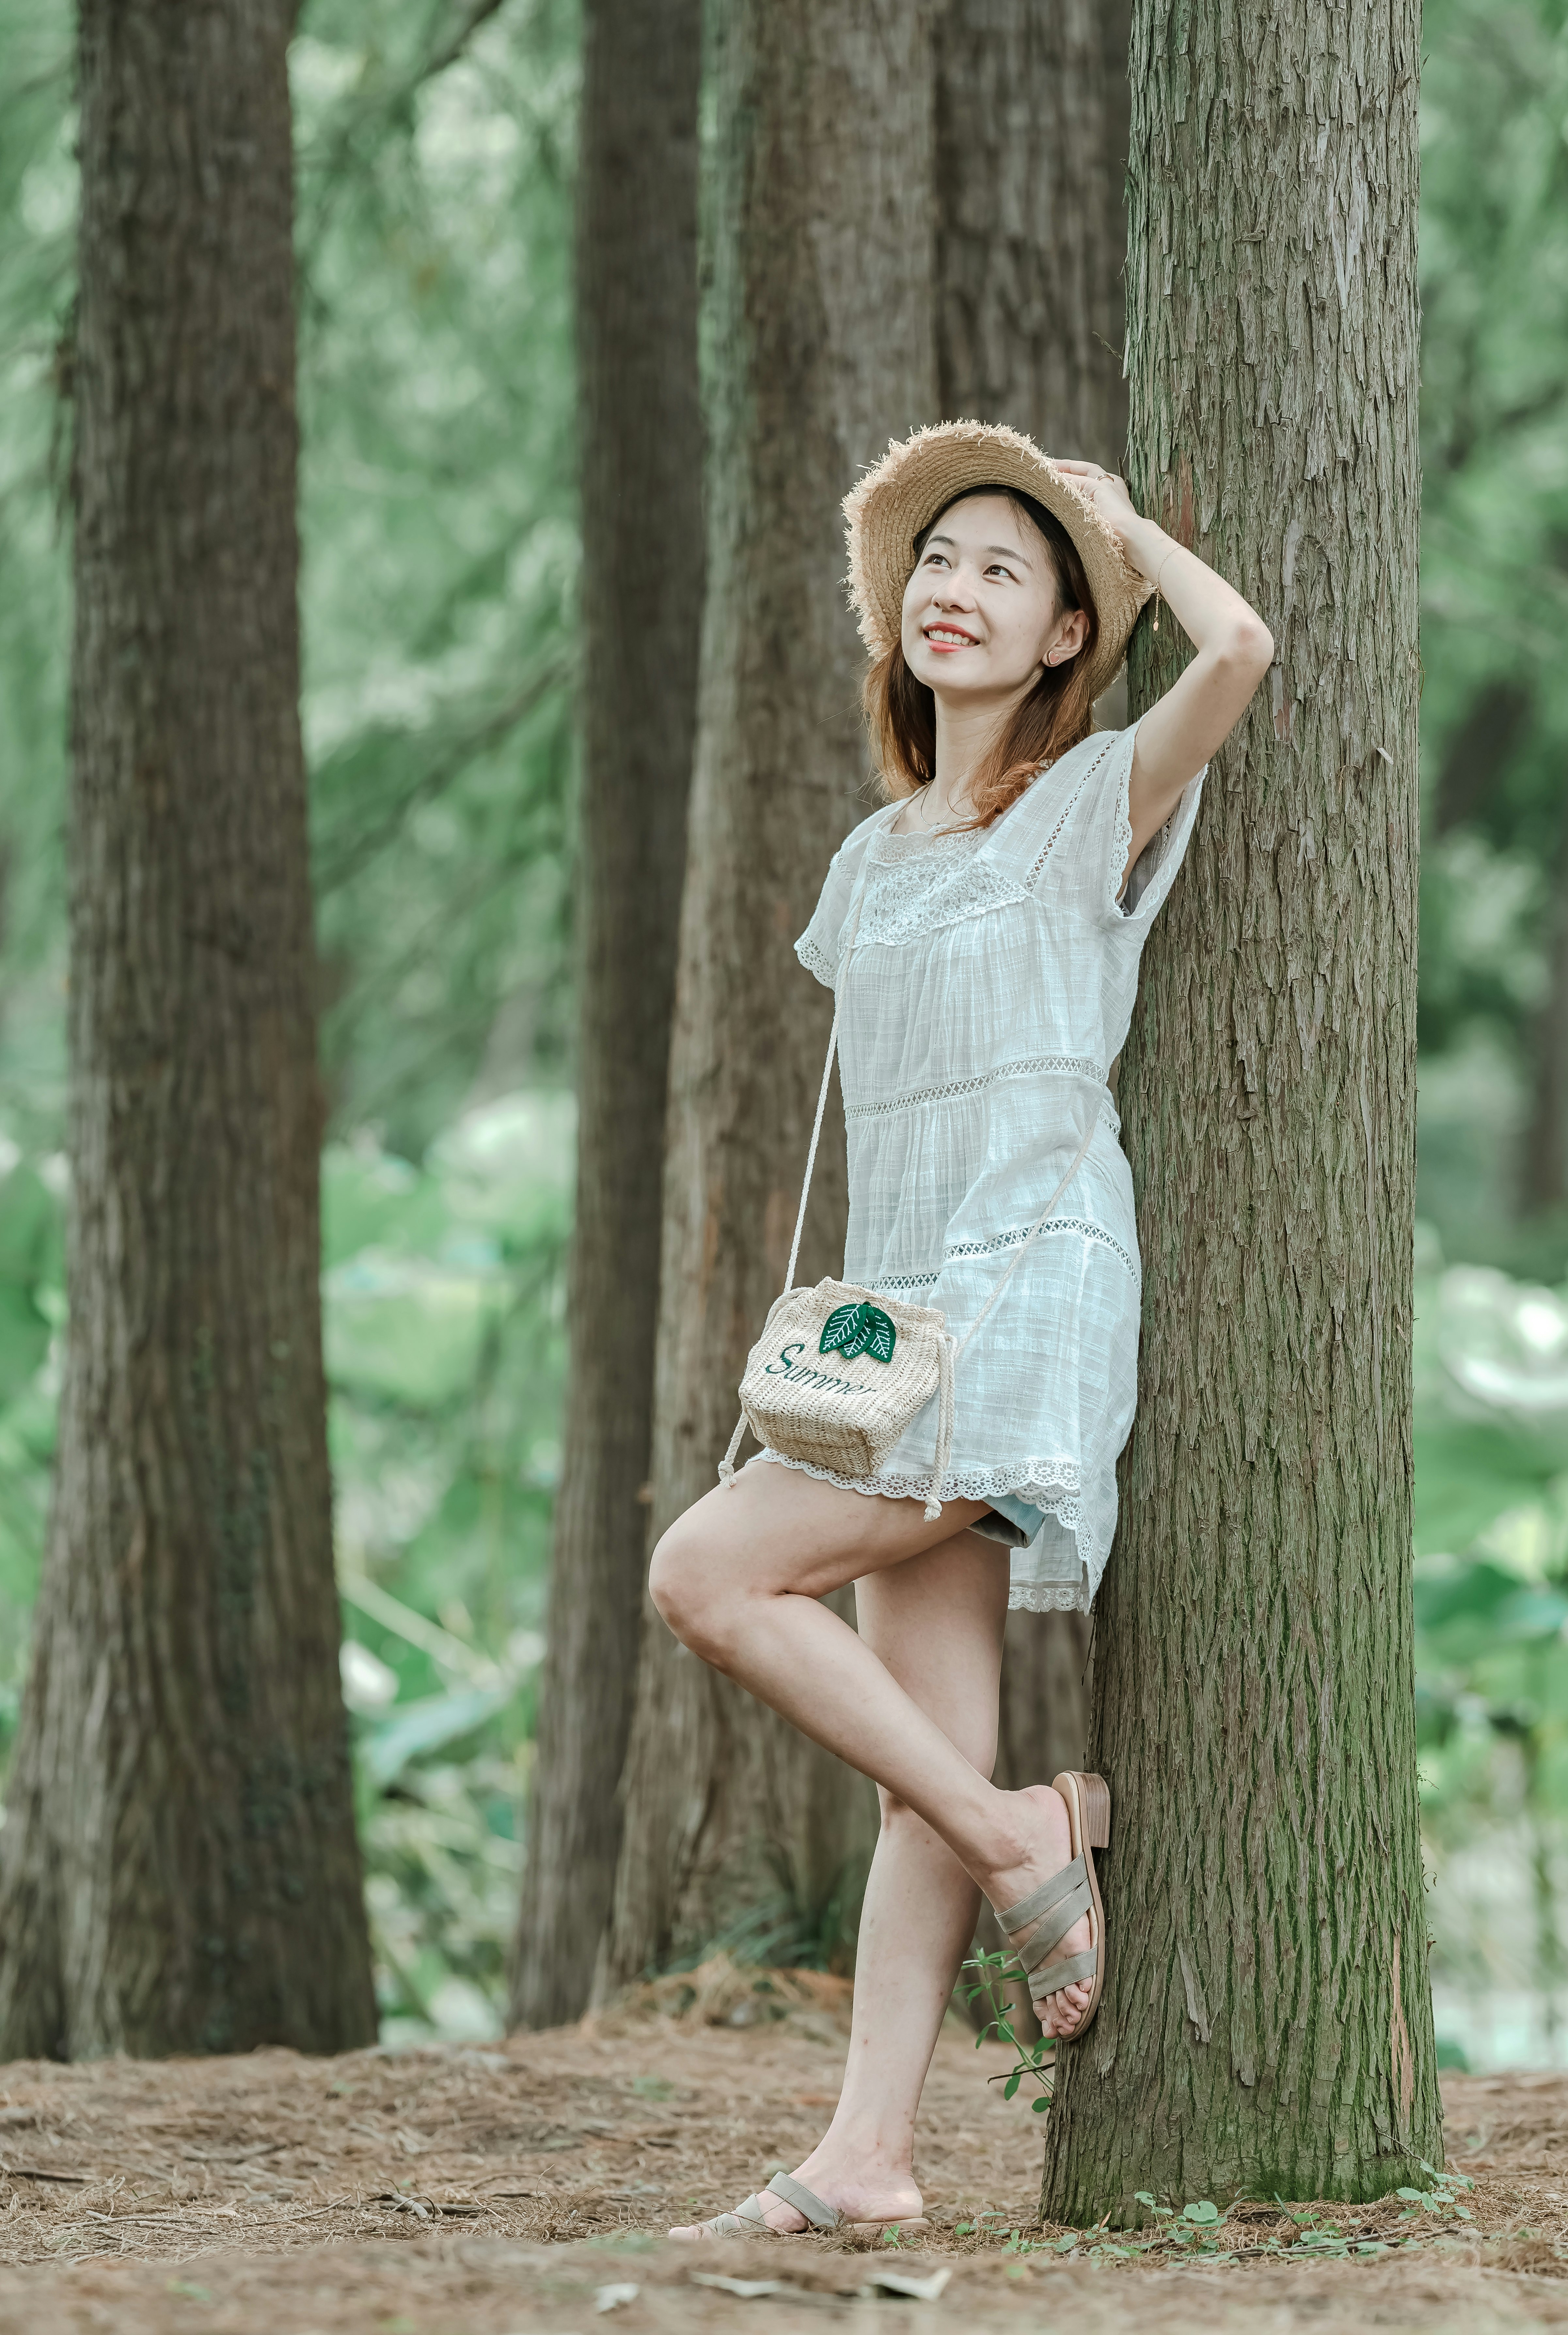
(738, 1578)
(936, 1622)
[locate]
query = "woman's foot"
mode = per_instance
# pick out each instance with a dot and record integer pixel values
(1042, 1846)
(871, 2194)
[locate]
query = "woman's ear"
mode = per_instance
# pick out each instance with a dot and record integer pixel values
(1068, 646)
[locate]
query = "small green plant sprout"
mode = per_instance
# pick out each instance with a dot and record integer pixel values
(1442, 2197)
(986, 2223)
(1032, 2062)
(1320, 2238)
(1195, 2226)
(1191, 2231)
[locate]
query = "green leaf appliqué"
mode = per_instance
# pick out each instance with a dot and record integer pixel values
(855, 1329)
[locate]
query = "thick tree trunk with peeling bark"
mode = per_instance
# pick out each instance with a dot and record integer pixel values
(1267, 2021)
(180, 1871)
(1032, 114)
(824, 349)
(642, 615)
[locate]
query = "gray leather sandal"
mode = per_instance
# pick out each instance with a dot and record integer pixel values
(1038, 1923)
(749, 2221)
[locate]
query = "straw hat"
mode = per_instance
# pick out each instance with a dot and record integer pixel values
(920, 476)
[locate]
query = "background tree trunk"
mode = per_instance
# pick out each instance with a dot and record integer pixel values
(824, 349)
(181, 1872)
(1031, 121)
(1543, 1183)
(642, 611)
(1031, 125)
(1267, 2024)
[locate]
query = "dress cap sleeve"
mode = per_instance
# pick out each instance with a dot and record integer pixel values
(820, 945)
(1103, 838)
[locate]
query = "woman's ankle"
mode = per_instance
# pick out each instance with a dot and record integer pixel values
(867, 2155)
(1034, 1822)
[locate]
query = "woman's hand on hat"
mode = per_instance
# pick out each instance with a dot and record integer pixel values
(1106, 490)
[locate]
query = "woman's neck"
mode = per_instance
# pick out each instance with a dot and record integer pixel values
(965, 733)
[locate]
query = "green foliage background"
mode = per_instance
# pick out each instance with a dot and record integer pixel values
(440, 550)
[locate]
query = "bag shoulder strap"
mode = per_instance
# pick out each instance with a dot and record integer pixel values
(846, 952)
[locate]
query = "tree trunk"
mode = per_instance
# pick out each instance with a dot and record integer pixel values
(181, 1872)
(1031, 121)
(1267, 2021)
(1543, 1183)
(642, 555)
(1032, 117)
(823, 343)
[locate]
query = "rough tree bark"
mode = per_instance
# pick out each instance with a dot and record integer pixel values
(1031, 119)
(179, 1868)
(1267, 2023)
(823, 341)
(643, 553)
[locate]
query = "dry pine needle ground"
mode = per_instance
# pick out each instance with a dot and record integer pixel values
(496, 2191)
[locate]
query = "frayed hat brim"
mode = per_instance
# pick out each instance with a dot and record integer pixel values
(919, 476)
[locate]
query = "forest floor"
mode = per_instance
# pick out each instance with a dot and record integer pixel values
(524, 2189)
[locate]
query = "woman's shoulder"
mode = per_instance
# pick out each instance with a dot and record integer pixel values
(852, 850)
(1054, 792)
(819, 945)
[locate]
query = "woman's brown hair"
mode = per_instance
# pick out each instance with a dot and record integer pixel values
(901, 712)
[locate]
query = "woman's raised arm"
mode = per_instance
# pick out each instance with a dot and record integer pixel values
(1182, 730)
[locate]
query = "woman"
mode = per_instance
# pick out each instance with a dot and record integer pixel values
(983, 931)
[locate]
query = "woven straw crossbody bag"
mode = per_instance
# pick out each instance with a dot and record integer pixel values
(838, 1372)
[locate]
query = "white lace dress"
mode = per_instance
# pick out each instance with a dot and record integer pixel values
(989, 987)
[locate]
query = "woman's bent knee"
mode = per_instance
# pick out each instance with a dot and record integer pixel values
(682, 1586)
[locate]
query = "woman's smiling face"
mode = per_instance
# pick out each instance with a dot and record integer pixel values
(980, 614)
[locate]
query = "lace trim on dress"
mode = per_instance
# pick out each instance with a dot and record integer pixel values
(1052, 1485)
(895, 1283)
(1081, 1225)
(1051, 1597)
(1148, 873)
(908, 898)
(1068, 807)
(887, 843)
(1048, 1485)
(817, 961)
(1122, 844)
(1034, 1065)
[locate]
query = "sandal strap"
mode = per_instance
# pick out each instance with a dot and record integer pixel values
(1054, 1926)
(1030, 1909)
(747, 2216)
(1076, 1968)
(805, 2200)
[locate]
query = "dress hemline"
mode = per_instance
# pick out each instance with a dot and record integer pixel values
(989, 1484)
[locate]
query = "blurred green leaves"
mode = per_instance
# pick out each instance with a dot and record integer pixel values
(444, 1307)
(1494, 278)
(439, 519)
(1491, 1609)
(445, 1304)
